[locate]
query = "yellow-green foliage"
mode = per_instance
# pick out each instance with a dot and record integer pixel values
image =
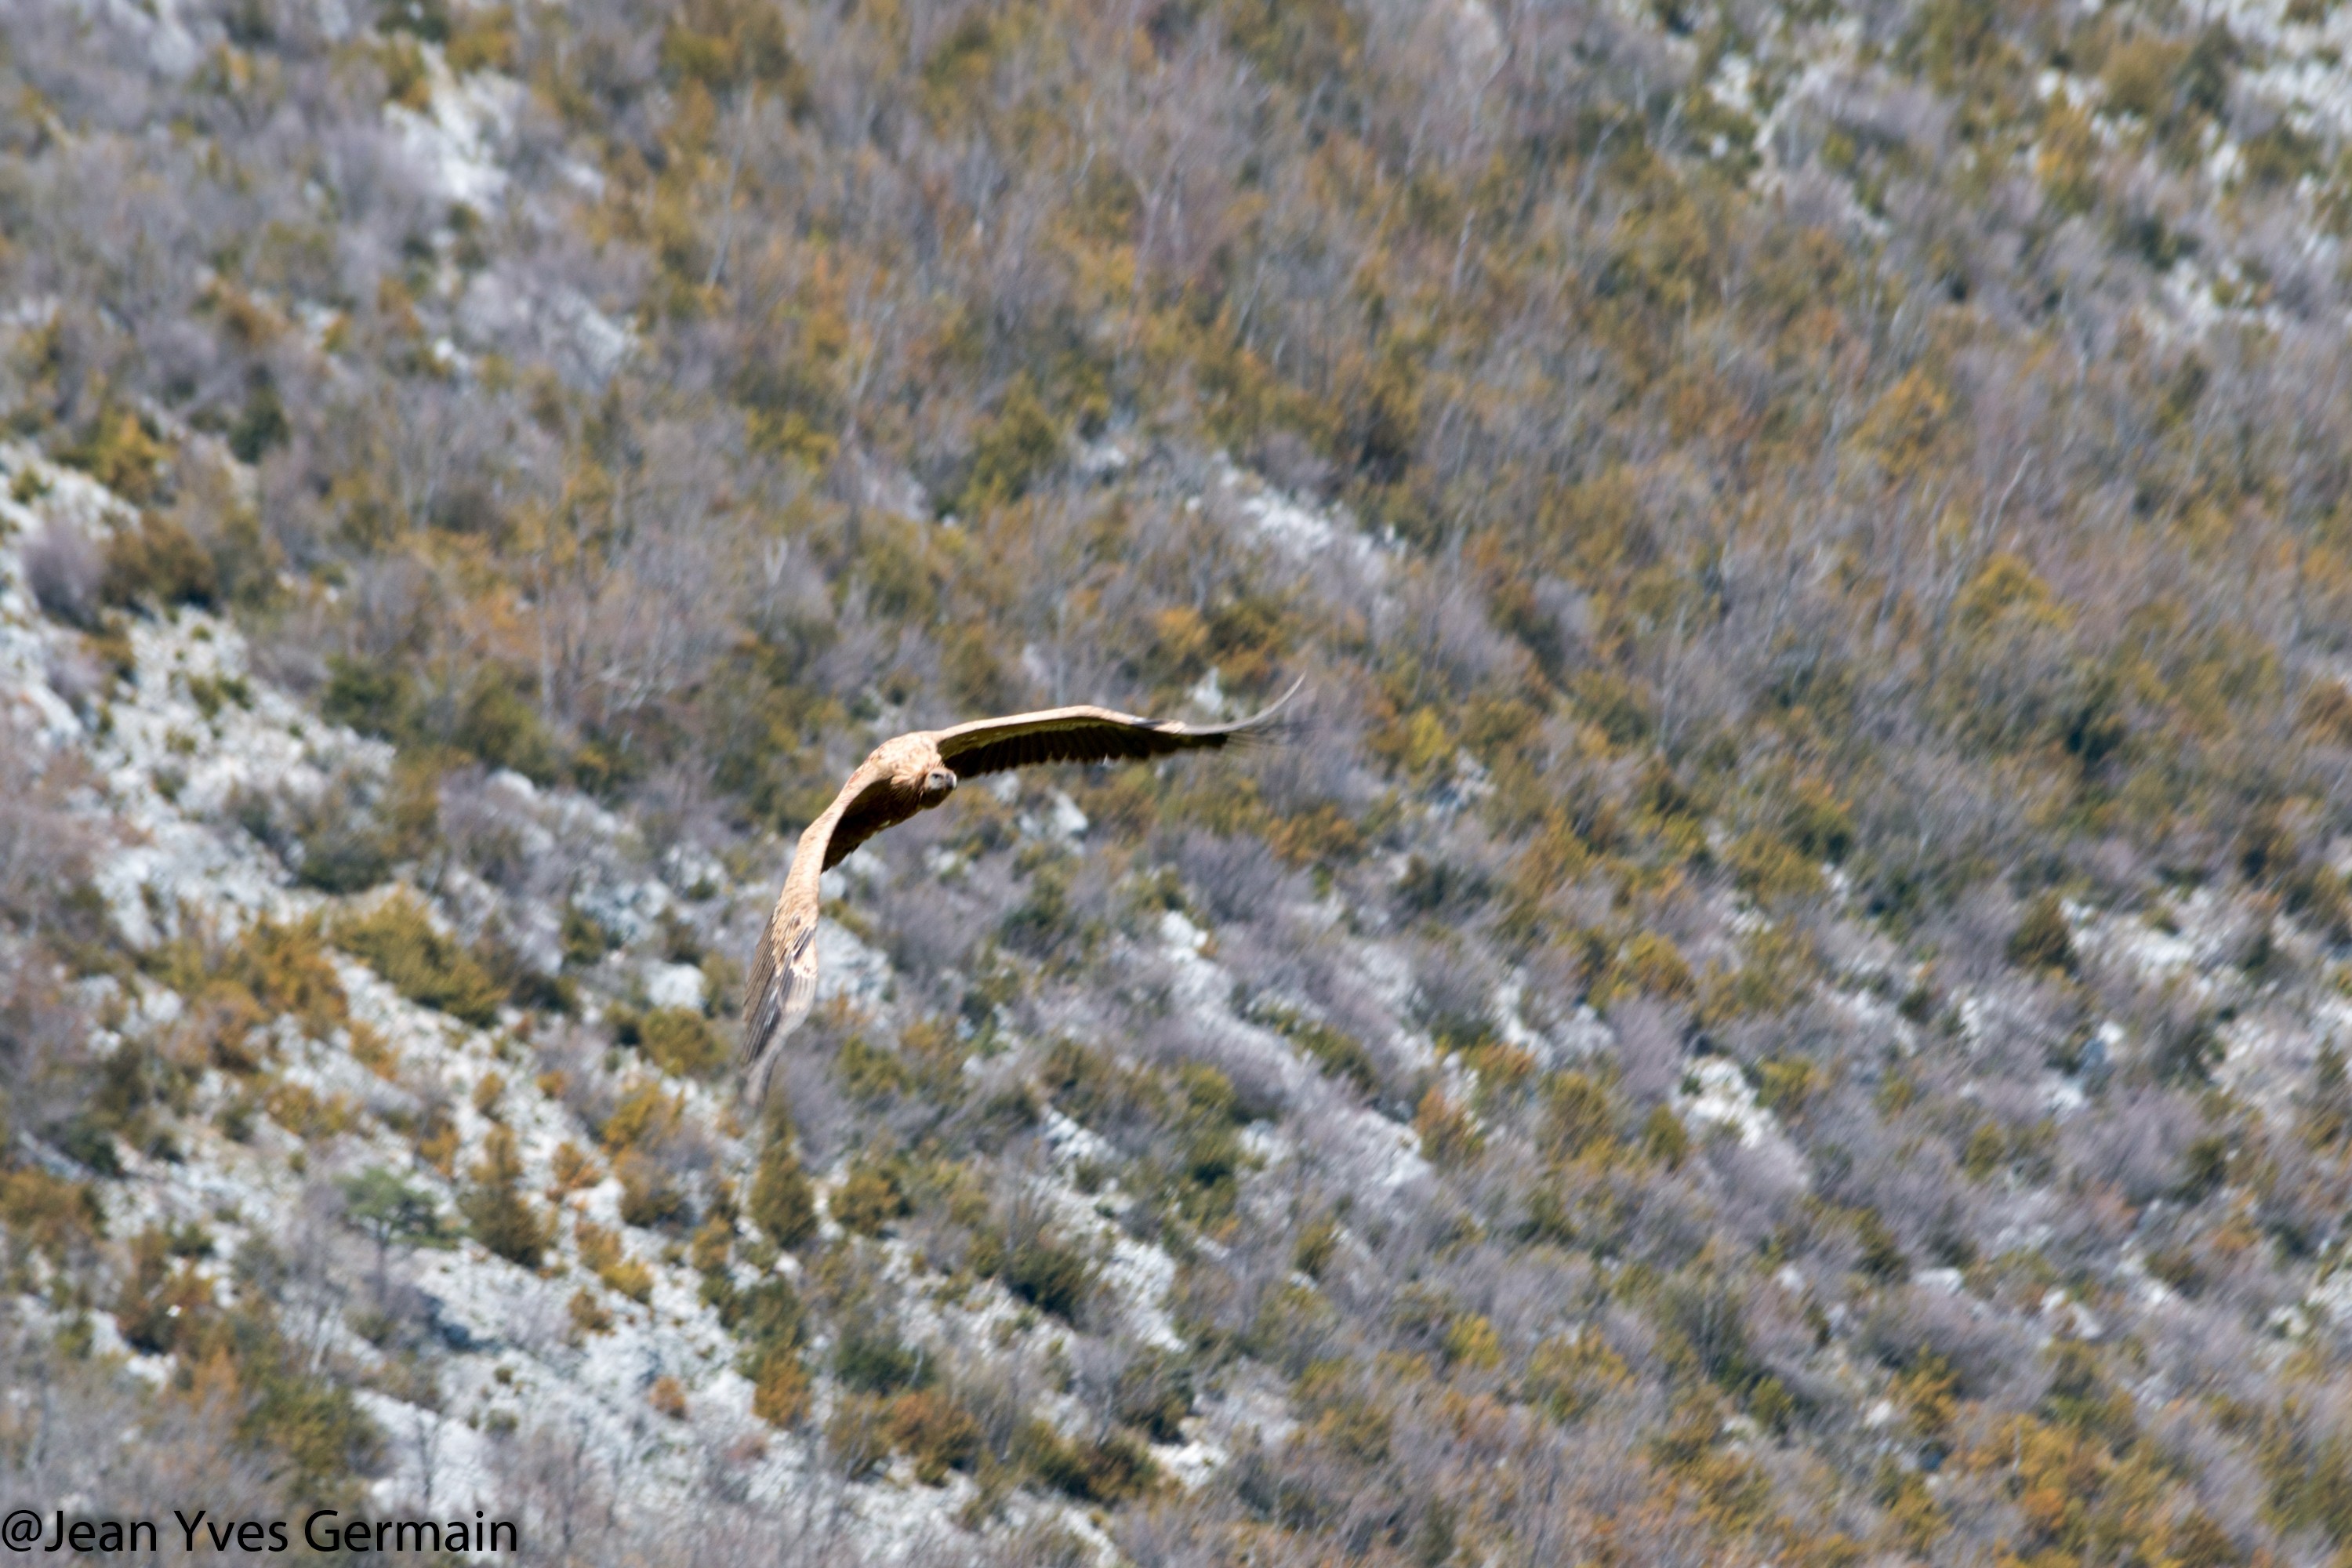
(501, 1217)
(782, 1202)
(1345, 1412)
(398, 941)
(236, 1359)
(1317, 1244)
(1771, 870)
(272, 969)
(481, 37)
(780, 1389)
(2044, 940)
(1580, 1116)
(937, 1432)
(123, 451)
(436, 1138)
(404, 79)
(1648, 963)
(1472, 1342)
(868, 1072)
(1449, 1136)
(600, 1251)
(712, 1244)
(768, 1319)
(587, 1315)
(682, 1042)
(164, 1298)
(157, 564)
(1108, 1469)
(1664, 1137)
(288, 971)
(643, 1116)
(1721, 538)
(48, 1213)
(572, 1169)
(868, 1199)
(308, 1114)
(1784, 1085)
(1050, 1274)
(1567, 1374)
(1338, 1053)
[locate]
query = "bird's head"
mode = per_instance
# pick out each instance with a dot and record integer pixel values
(917, 769)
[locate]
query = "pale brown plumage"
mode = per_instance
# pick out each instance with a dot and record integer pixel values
(914, 773)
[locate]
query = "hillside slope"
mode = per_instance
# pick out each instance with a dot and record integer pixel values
(1784, 1002)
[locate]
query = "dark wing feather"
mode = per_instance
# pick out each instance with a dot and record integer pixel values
(1087, 735)
(879, 805)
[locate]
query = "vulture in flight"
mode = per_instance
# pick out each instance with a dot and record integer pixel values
(914, 773)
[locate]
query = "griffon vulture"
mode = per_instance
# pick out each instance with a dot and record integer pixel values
(914, 773)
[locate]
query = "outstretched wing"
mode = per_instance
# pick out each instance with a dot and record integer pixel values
(782, 986)
(879, 805)
(782, 989)
(1086, 735)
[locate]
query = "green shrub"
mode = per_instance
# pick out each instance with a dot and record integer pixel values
(157, 562)
(868, 1199)
(871, 1359)
(1665, 1139)
(643, 1117)
(1056, 1278)
(783, 1201)
(936, 1432)
(398, 941)
(1579, 1115)
(368, 695)
(498, 723)
(286, 1405)
(2042, 940)
(1154, 1392)
(1110, 1469)
(1340, 1054)
(501, 1219)
(343, 852)
(387, 1209)
(1882, 1254)
(779, 1388)
(584, 940)
(648, 1194)
(1771, 870)
(1015, 448)
(768, 1319)
(682, 1042)
(1047, 1274)
(54, 1217)
(285, 969)
(261, 424)
(1816, 822)
(123, 450)
(765, 1317)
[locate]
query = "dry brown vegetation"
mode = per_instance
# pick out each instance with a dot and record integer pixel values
(1864, 538)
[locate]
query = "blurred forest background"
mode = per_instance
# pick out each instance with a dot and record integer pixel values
(1819, 540)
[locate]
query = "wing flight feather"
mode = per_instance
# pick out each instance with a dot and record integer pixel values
(1086, 735)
